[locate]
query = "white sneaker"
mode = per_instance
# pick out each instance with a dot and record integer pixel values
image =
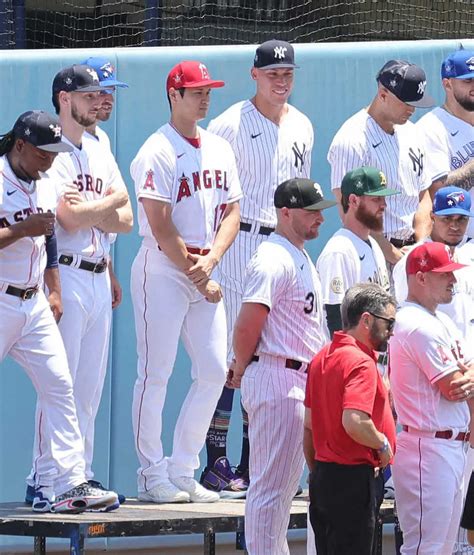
(164, 492)
(197, 493)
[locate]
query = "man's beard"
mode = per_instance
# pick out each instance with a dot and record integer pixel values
(85, 121)
(374, 223)
(465, 103)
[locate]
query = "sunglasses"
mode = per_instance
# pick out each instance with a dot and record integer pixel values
(390, 321)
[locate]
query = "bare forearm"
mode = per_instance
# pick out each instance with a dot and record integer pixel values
(422, 219)
(11, 234)
(73, 217)
(172, 244)
(52, 281)
(227, 232)
(245, 345)
(120, 221)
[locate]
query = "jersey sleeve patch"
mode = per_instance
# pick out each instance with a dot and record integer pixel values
(337, 285)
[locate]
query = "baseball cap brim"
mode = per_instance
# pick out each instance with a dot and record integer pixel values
(426, 102)
(205, 83)
(382, 193)
(466, 76)
(321, 205)
(89, 88)
(449, 267)
(113, 83)
(56, 147)
(279, 66)
(454, 212)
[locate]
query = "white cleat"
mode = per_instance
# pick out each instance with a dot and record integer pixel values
(164, 492)
(197, 493)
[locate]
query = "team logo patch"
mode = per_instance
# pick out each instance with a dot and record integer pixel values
(68, 80)
(470, 63)
(149, 181)
(107, 69)
(317, 186)
(279, 52)
(383, 179)
(337, 285)
(455, 198)
(293, 200)
(204, 72)
(56, 129)
(359, 184)
(93, 74)
(421, 87)
(27, 131)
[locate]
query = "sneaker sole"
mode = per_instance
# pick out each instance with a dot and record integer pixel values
(208, 500)
(105, 509)
(149, 499)
(81, 504)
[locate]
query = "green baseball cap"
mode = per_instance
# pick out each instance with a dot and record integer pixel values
(366, 181)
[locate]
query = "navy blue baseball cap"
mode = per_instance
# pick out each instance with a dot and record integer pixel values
(407, 82)
(458, 65)
(42, 130)
(452, 200)
(105, 70)
(274, 54)
(77, 78)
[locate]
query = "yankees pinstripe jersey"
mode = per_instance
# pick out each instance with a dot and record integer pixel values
(266, 154)
(346, 260)
(197, 182)
(283, 278)
(94, 171)
(449, 145)
(401, 156)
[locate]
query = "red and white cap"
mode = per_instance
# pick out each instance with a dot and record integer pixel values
(190, 74)
(431, 257)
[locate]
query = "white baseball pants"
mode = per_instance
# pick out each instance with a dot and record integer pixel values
(428, 475)
(30, 335)
(168, 306)
(273, 397)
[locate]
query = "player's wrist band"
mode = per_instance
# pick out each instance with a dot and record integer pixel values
(384, 447)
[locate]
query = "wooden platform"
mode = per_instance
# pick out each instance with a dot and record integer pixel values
(136, 518)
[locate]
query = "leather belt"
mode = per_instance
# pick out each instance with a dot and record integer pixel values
(444, 434)
(96, 267)
(193, 250)
(289, 363)
(399, 243)
(24, 294)
(262, 230)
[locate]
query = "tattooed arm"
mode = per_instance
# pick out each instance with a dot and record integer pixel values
(462, 177)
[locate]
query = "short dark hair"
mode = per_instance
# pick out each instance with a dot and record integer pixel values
(363, 297)
(181, 92)
(55, 101)
(345, 203)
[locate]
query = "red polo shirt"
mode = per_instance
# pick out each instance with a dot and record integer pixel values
(344, 375)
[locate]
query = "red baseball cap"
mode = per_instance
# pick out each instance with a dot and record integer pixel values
(190, 74)
(431, 257)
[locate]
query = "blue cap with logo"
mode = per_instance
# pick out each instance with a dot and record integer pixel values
(458, 65)
(105, 70)
(452, 200)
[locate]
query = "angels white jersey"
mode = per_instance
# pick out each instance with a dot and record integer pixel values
(346, 260)
(283, 278)
(461, 308)
(94, 171)
(197, 182)
(266, 153)
(424, 349)
(449, 145)
(401, 156)
(23, 262)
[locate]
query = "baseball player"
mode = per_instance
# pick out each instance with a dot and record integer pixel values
(28, 331)
(272, 142)
(272, 352)
(351, 255)
(92, 203)
(381, 136)
(448, 129)
(106, 73)
(431, 368)
(188, 191)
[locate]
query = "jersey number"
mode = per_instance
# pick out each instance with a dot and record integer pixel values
(309, 307)
(218, 215)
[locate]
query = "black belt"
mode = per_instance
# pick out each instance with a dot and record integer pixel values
(24, 294)
(96, 267)
(289, 363)
(399, 243)
(263, 230)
